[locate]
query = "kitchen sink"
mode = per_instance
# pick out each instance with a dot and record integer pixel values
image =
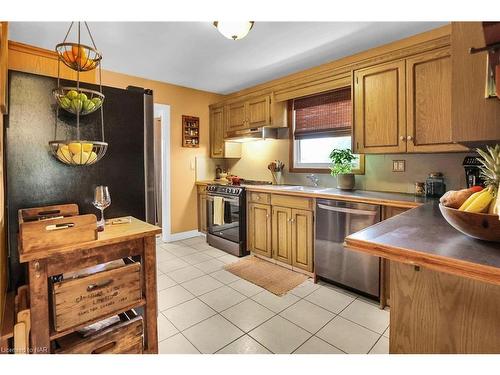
(302, 188)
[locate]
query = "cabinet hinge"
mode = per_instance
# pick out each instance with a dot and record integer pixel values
(356, 80)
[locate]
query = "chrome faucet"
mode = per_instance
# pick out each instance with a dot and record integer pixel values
(314, 179)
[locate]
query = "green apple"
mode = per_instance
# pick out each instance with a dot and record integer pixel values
(82, 96)
(97, 102)
(76, 105)
(88, 105)
(72, 94)
(65, 102)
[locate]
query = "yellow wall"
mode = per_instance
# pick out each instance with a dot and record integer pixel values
(182, 101)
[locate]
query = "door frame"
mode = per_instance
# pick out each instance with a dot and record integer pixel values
(163, 111)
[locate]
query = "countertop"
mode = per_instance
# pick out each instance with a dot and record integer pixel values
(421, 236)
(363, 196)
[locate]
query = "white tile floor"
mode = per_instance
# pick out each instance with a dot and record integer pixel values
(205, 309)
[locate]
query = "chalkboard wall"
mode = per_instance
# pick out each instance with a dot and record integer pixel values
(35, 178)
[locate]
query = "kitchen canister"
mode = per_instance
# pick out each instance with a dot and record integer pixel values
(434, 185)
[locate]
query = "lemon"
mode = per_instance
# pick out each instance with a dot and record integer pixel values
(75, 147)
(87, 147)
(72, 94)
(63, 154)
(81, 158)
(92, 157)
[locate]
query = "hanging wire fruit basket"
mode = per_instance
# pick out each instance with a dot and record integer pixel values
(77, 100)
(78, 57)
(78, 152)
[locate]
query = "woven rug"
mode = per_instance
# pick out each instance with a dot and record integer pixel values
(276, 279)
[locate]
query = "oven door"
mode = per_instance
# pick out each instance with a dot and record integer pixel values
(230, 230)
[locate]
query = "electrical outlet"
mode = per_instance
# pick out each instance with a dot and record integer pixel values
(398, 165)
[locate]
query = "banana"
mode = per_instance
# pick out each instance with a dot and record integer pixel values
(469, 200)
(481, 203)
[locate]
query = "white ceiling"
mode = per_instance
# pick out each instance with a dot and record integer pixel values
(194, 54)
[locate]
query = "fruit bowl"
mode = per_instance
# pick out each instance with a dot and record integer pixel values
(78, 57)
(481, 226)
(78, 101)
(78, 153)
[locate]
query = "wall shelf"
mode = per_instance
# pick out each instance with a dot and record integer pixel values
(190, 131)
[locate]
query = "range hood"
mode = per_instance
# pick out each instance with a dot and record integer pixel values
(252, 134)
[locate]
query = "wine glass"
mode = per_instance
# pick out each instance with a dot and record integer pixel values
(102, 200)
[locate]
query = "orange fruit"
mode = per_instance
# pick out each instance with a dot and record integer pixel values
(79, 52)
(83, 62)
(68, 57)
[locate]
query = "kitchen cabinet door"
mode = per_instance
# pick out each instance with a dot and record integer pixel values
(385, 265)
(428, 84)
(236, 116)
(217, 132)
(379, 109)
(282, 234)
(202, 212)
(302, 239)
(258, 112)
(259, 229)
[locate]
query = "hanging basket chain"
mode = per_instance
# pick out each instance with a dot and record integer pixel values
(78, 152)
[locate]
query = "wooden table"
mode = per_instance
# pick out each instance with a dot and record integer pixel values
(135, 239)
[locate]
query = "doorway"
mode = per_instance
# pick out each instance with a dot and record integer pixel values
(161, 151)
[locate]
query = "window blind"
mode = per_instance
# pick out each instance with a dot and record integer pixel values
(323, 115)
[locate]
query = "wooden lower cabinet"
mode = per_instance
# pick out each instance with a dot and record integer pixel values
(385, 266)
(202, 209)
(259, 229)
(302, 239)
(282, 234)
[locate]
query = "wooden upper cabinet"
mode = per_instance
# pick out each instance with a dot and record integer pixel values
(236, 116)
(302, 239)
(474, 118)
(258, 112)
(428, 83)
(217, 132)
(259, 229)
(379, 109)
(282, 234)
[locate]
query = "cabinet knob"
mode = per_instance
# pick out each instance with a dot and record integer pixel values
(409, 138)
(402, 138)
(257, 197)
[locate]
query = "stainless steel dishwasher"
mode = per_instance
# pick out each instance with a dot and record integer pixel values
(335, 220)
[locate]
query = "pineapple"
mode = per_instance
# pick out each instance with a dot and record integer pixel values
(490, 171)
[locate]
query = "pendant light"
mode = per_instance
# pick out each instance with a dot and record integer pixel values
(234, 30)
(78, 101)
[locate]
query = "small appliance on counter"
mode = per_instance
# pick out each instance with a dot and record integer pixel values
(434, 185)
(472, 172)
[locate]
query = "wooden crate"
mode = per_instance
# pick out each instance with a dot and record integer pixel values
(125, 337)
(54, 226)
(76, 301)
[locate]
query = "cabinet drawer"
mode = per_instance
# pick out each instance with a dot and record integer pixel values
(76, 301)
(292, 201)
(263, 198)
(125, 337)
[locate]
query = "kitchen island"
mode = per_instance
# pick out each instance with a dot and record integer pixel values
(445, 286)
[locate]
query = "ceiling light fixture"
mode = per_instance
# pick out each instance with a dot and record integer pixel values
(234, 30)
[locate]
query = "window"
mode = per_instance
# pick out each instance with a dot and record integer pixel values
(321, 123)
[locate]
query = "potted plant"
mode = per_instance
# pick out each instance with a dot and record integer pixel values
(342, 168)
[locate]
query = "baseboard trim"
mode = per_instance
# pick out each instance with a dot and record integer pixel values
(182, 235)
